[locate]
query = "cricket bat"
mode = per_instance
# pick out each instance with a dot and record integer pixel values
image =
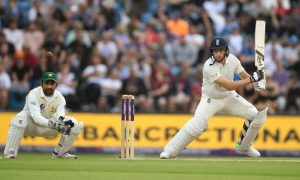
(260, 27)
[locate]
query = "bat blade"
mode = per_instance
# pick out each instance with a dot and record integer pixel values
(260, 44)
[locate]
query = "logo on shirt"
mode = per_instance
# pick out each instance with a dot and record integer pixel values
(52, 108)
(42, 106)
(208, 100)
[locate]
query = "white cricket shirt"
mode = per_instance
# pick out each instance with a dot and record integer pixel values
(40, 108)
(212, 72)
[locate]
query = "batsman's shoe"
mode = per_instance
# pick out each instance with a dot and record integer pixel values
(165, 155)
(251, 151)
(64, 156)
(9, 156)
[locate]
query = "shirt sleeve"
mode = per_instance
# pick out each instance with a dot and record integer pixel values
(35, 111)
(239, 68)
(61, 108)
(211, 73)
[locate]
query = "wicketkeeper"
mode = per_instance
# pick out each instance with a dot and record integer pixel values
(218, 94)
(44, 115)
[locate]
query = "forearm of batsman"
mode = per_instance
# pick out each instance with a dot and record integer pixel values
(245, 75)
(232, 85)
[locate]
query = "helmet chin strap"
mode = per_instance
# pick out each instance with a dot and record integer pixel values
(215, 60)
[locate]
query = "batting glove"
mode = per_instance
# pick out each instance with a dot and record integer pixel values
(260, 86)
(257, 75)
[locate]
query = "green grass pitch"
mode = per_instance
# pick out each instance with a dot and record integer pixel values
(95, 166)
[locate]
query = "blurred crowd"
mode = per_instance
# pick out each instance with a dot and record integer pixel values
(152, 49)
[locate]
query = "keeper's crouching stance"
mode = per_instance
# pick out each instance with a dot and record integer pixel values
(219, 95)
(44, 115)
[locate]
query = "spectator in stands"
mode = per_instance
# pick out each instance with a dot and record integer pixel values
(177, 26)
(67, 85)
(247, 54)
(5, 84)
(282, 77)
(164, 49)
(235, 39)
(78, 43)
(20, 82)
(43, 65)
(14, 35)
(121, 38)
(291, 52)
(110, 90)
(256, 8)
(196, 96)
(5, 55)
(180, 97)
(30, 58)
(183, 53)
(33, 38)
(143, 70)
(293, 95)
(92, 76)
(195, 38)
(9, 47)
(136, 86)
(215, 10)
(149, 34)
(107, 48)
(269, 97)
(161, 79)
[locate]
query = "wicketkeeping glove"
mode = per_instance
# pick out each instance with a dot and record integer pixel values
(68, 123)
(58, 125)
(257, 75)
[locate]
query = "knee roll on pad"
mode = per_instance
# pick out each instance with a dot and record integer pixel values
(19, 121)
(196, 126)
(251, 113)
(260, 118)
(185, 136)
(251, 129)
(179, 142)
(78, 126)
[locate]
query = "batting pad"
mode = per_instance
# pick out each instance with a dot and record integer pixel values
(179, 142)
(67, 141)
(251, 128)
(191, 130)
(14, 137)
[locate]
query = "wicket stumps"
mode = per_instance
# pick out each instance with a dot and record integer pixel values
(127, 127)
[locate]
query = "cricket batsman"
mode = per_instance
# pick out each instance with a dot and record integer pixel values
(44, 115)
(218, 94)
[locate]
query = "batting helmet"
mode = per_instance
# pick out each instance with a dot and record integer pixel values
(219, 43)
